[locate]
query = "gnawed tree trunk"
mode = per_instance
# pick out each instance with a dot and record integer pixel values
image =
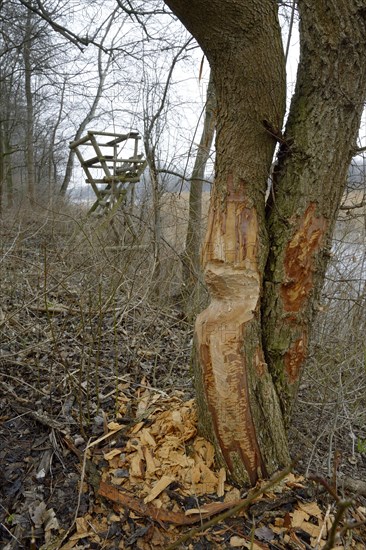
(309, 180)
(264, 266)
(191, 262)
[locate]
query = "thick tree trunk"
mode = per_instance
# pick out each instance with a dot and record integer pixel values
(235, 394)
(191, 261)
(309, 180)
(264, 266)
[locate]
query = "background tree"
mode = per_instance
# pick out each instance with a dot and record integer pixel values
(33, 82)
(191, 274)
(265, 263)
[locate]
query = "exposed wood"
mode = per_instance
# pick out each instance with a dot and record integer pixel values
(236, 396)
(309, 181)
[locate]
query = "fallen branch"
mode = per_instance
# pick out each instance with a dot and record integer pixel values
(242, 505)
(115, 494)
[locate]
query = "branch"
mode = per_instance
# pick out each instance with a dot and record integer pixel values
(358, 150)
(353, 206)
(155, 117)
(132, 11)
(243, 505)
(182, 176)
(75, 39)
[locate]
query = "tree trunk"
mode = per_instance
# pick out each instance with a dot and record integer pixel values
(309, 181)
(2, 165)
(102, 75)
(191, 271)
(8, 169)
(157, 221)
(264, 266)
(29, 108)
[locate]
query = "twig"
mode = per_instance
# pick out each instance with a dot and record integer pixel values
(326, 485)
(341, 509)
(82, 477)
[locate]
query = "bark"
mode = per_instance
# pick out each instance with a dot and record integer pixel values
(2, 165)
(52, 163)
(191, 272)
(309, 180)
(8, 169)
(264, 266)
(157, 220)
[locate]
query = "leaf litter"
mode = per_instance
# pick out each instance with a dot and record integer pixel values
(92, 463)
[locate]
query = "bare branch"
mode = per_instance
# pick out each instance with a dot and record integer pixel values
(78, 41)
(155, 117)
(353, 206)
(182, 176)
(136, 12)
(359, 150)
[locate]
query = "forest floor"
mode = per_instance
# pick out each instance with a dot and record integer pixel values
(98, 428)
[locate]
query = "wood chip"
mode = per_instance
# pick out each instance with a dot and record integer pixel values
(221, 483)
(310, 508)
(298, 517)
(158, 488)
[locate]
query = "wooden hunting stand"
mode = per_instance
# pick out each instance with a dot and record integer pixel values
(111, 177)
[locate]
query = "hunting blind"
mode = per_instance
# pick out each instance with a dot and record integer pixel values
(112, 164)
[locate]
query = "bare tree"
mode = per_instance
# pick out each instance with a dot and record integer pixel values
(29, 104)
(103, 68)
(153, 114)
(191, 278)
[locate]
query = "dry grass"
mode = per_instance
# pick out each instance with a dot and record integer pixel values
(78, 315)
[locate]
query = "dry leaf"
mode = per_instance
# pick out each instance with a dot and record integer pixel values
(237, 542)
(37, 513)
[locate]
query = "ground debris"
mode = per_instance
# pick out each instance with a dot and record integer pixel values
(164, 478)
(98, 429)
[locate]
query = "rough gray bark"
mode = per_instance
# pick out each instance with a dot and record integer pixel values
(2, 166)
(264, 266)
